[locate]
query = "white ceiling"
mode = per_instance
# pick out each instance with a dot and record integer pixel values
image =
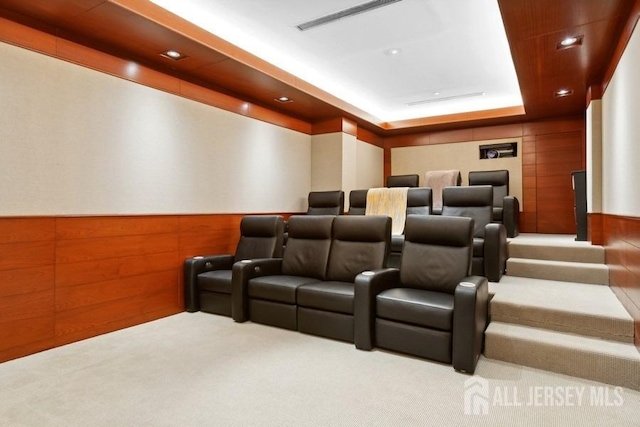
(448, 48)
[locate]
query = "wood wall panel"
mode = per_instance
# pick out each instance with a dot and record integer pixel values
(556, 156)
(209, 234)
(621, 236)
(27, 254)
(71, 278)
(550, 151)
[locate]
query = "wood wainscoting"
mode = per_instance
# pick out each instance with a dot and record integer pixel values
(64, 279)
(621, 237)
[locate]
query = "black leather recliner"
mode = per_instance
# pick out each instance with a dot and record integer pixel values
(358, 244)
(506, 209)
(311, 288)
(207, 279)
(403, 180)
(430, 307)
(489, 239)
(320, 203)
(265, 292)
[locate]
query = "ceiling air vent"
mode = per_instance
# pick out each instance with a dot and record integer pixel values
(445, 98)
(364, 7)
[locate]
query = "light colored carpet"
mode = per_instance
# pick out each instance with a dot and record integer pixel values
(579, 308)
(558, 247)
(204, 370)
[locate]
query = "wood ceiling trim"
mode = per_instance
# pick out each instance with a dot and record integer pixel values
(178, 25)
(29, 38)
(26, 37)
(455, 118)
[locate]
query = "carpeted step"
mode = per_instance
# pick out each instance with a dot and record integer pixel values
(584, 357)
(556, 250)
(597, 274)
(585, 309)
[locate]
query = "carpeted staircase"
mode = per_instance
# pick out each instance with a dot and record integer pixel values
(555, 311)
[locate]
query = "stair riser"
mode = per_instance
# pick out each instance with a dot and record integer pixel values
(577, 363)
(580, 274)
(589, 254)
(575, 323)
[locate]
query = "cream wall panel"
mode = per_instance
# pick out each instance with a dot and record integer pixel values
(463, 156)
(350, 162)
(370, 167)
(621, 135)
(326, 162)
(75, 141)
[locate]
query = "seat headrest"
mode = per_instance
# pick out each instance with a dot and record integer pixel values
(439, 230)
(358, 228)
(326, 199)
(261, 226)
(403, 180)
(310, 226)
(477, 195)
(495, 178)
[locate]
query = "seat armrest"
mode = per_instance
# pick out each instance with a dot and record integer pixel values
(367, 285)
(511, 216)
(193, 267)
(243, 271)
(495, 251)
(471, 299)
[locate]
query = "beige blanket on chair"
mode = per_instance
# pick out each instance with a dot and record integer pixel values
(437, 180)
(391, 202)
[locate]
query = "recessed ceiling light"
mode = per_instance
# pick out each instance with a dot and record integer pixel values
(563, 92)
(568, 42)
(284, 99)
(173, 54)
(393, 51)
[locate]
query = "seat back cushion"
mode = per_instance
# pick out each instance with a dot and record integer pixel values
(419, 201)
(498, 179)
(474, 202)
(308, 244)
(437, 252)
(359, 243)
(326, 203)
(260, 237)
(357, 202)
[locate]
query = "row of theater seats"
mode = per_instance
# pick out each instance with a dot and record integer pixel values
(490, 237)
(505, 208)
(331, 281)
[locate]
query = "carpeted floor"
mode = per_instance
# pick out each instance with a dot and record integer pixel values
(205, 370)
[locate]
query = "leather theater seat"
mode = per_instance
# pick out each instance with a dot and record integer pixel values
(311, 288)
(506, 208)
(431, 307)
(489, 239)
(207, 279)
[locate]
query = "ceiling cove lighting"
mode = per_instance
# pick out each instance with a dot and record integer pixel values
(569, 42)
(563, 92)
(445, 98)
(173, 54)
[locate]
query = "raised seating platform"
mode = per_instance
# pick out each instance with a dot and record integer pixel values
(568, 327)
